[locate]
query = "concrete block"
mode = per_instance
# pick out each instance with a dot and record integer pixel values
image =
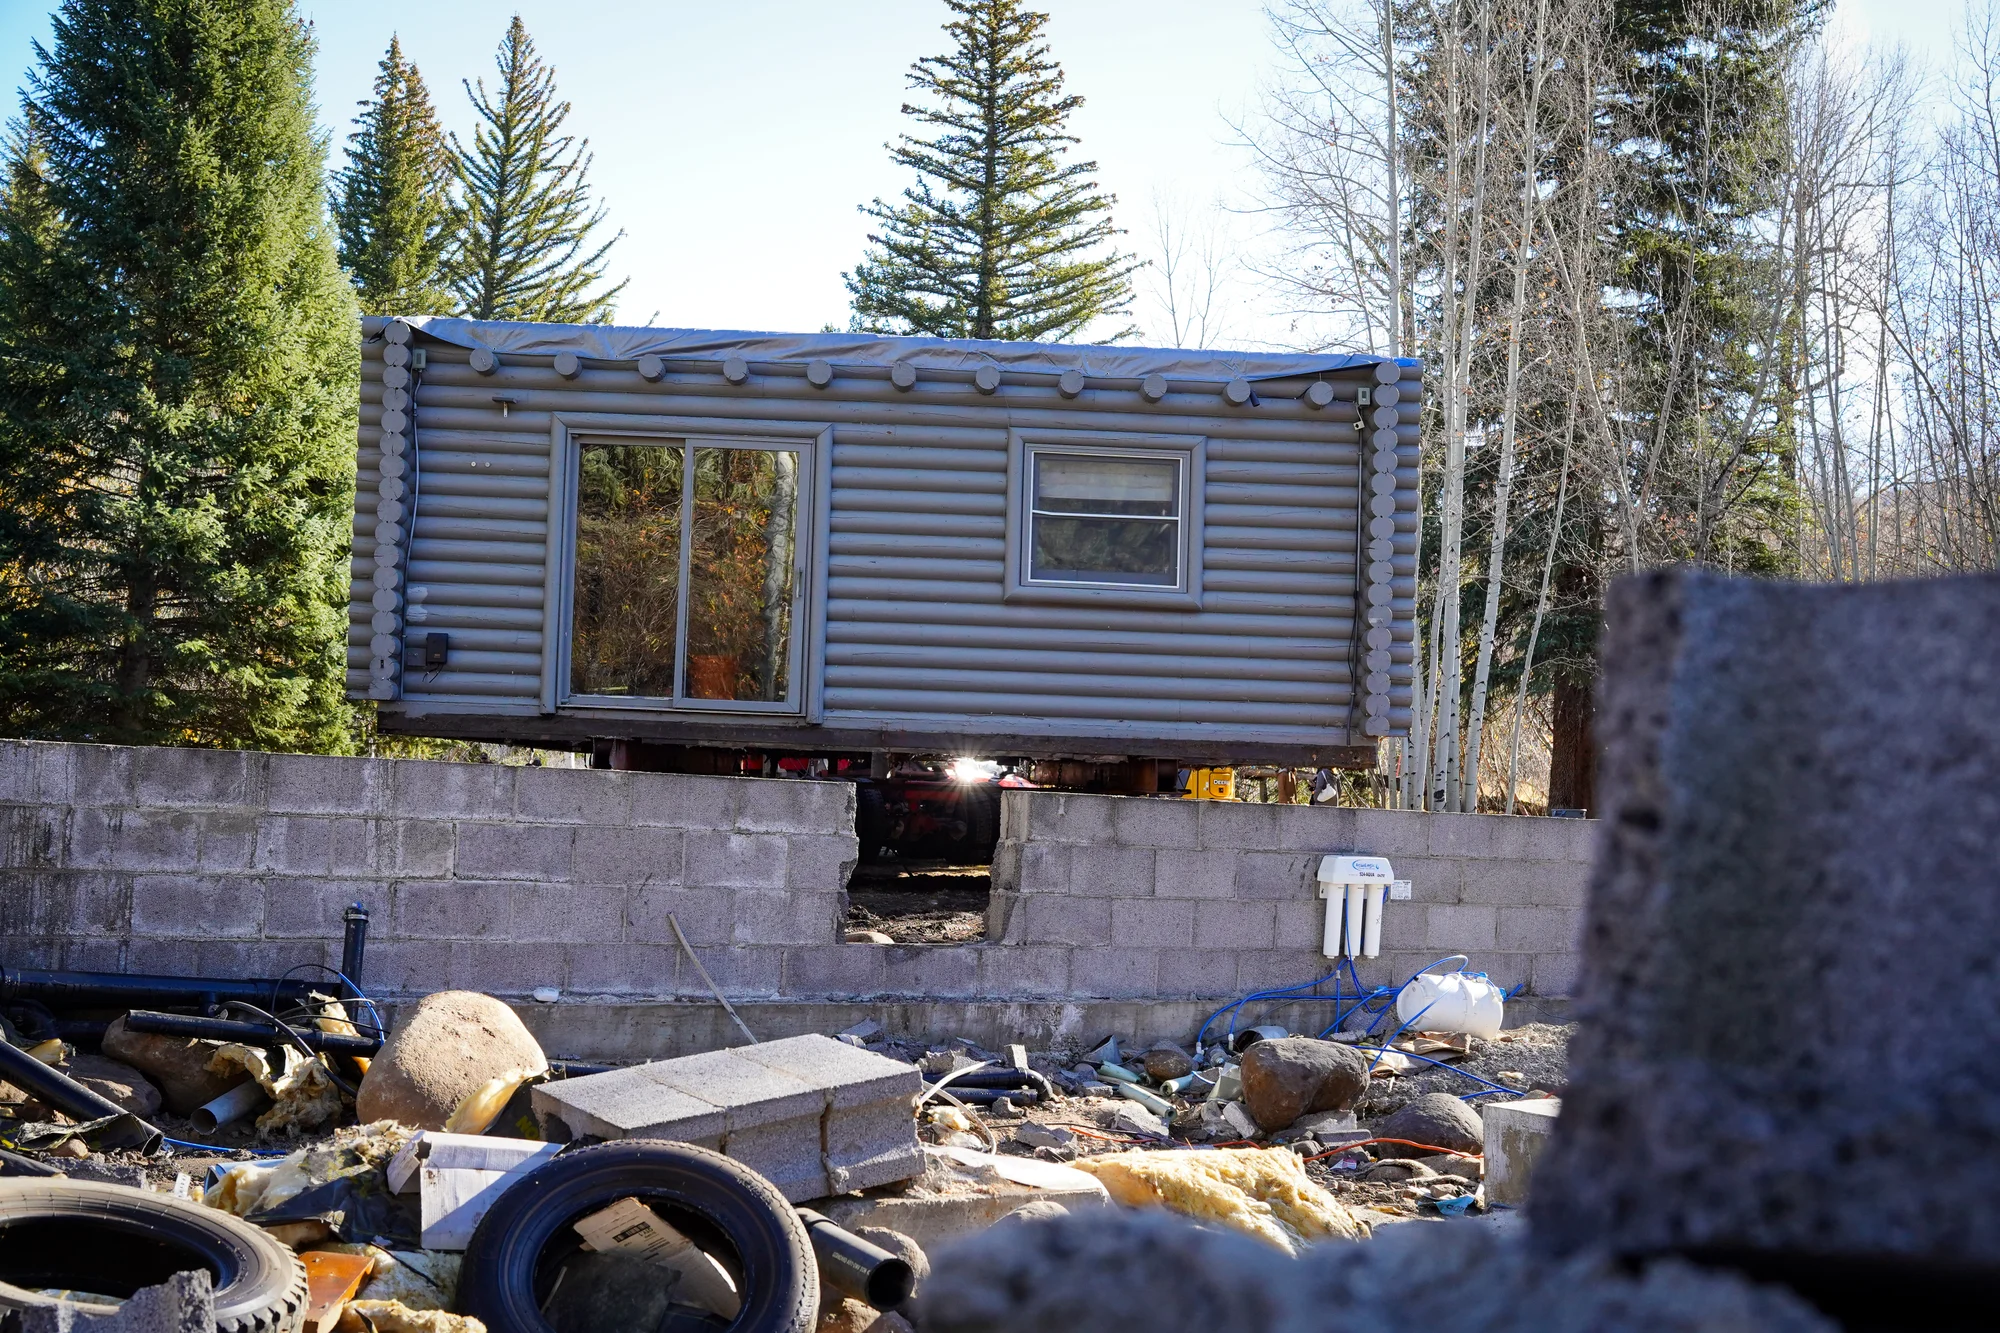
(309, 784)
(1117, 973)
(1147, 923)
(1460, 928)
(678, 800)
(1515, 1134)
(1313, 828)
(821, 860)
(931, 971)
(630, 855)
(507, 967)
(572, 914)
(1024, 971)
(1238, 825)
(33, 837)
(409, 967)
(1045, 868)
(417, 846)
(1433, 880)
(1245, 924)
(1006, 872)
(91, 842)
(197, 906)
(227, 841)
(423, 789)
(1505, 883)
(706, 916)
(834, 971)
(812, 1115)
(1302, 923)
(1537, 929)
(1553, 974)
(1198, 973)
(741, 969)
(361, 846)
(1405, 925)
(572, 796)
(66, 905)
(1266, 968)
(36, 772)
(1208, 873)
(1073, 817)
(792, 805)
(304, 908)
(1276, 875)
(626, 969)
(1045, 918)
(736, 860)
(1109, 871)
(785, 916)
(1153, 821)
(514, 851)
(155, 840)
(101, 775)
(295, 845)
(168, 775)
(1392, 833)
(1463, 835)
(1801, 789)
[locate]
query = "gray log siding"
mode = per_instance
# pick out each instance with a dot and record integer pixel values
(916, 634)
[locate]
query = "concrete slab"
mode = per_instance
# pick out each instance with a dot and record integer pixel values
(975, 1190)
(812, 1114)
(1515, 1134)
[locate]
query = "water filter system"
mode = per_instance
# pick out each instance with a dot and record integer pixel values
(1354, 888)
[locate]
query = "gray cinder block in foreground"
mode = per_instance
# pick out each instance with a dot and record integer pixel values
(1514, 1135)
(1791, 961)
(814, 1115)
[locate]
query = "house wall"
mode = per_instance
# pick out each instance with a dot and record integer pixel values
(917, 638)
(503, 879)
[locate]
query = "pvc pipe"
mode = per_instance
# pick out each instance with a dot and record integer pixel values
(93, 989)
(1356, 898)
(1371, 929)
(65, 1094)
(230, 1107)
(854, 1267)
(252, 1034)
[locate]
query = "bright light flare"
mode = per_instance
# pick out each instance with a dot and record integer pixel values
(967, 769)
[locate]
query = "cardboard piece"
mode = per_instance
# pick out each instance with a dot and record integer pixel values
(331, 1281)
(630, 1225)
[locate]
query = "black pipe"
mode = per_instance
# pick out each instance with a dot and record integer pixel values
(577, 1068)
(354, 943)
(853, 1267)
(83, 990)
(249, 1033)
(988, 1096)
(1002, 1078)
(13, 1164)
(64, 1093)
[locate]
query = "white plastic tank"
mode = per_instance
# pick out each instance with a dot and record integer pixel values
(1455, 1001)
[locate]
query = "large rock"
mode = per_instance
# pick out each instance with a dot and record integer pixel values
(117, 1082)
(1285, 1077)
(1436, 1120)
(178, 1065)
(1801, 793)
(1166, 1061)
(448, 1046)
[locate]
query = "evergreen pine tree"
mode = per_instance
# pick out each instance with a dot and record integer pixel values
(525, 219)
(177, 349)
(392, 202)
(1000, 237)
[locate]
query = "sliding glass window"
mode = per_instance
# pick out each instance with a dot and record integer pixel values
(688, 575)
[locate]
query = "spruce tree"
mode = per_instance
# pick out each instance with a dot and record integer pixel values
(1000, 237)
(392, 202)
(525, 219)
(177, 347)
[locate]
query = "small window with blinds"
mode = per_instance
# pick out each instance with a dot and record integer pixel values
(1098, 522)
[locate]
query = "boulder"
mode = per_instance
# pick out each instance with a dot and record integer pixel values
(1285, 1077)
(450, 1045)
(1437, 1120)
(117, 1082)
(1166, 1061)
(178, 1065)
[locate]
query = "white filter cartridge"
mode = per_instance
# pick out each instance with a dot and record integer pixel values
(1356, 894)
(1371, 924)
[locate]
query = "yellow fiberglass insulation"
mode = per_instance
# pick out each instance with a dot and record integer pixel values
(1261, 1192)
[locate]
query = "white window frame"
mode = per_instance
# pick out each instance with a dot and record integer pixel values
(1189, 451)
(813, 445)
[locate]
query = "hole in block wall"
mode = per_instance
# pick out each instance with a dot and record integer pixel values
(920, 902)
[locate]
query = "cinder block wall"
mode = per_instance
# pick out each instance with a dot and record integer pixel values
(224, 862)
(1209, 898)
(507, 879)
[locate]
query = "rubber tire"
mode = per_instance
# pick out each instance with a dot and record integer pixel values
(115, 1239)
(780, 1278)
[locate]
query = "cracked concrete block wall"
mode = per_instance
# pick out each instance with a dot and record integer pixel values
(1793, 939)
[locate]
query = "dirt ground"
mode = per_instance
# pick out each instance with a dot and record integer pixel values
(920, 902)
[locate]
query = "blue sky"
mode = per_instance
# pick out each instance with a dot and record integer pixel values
(734, 141)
